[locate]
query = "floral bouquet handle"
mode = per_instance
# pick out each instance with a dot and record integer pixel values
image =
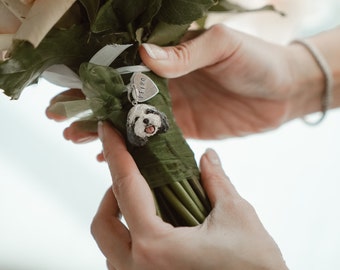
(165, 159)
(68, 34)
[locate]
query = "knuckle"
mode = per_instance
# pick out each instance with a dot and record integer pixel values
(219, 184)
(95, 224)
(122, 183)
(226, 42)
(239, 207)
(119, 184)
(219, 178)
(218, 30)
(182, 52)
(108, 155)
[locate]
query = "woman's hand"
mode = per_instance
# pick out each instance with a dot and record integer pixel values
(226, 83)
(232, 236)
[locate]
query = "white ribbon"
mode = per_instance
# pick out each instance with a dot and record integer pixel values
(62, 75)
(132, 69)
(106, 55)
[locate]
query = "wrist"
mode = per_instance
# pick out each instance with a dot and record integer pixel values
(328, 45)
(311, 78)
(307, 84)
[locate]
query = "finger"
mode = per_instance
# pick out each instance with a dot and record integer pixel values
(100, 157)
(191, 35)
(214, 180)
(68, 95)
(171, 62)
(110, 266)
(130, 188)
(112, 237)
(81, 131)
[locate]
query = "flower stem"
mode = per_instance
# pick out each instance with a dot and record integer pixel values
(167, 213)
(199, 191)
(186, 185)
(186, 200)
(183, 212)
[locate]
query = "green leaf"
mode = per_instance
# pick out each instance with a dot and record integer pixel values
(201, 22)
(73, 16)
(70, 47)
(184, 11)
(104, 88)
(167, 34)
(91, 7)
(138, 12)
(106, 19)
(69, 109)
(101, 81)
(125, 16)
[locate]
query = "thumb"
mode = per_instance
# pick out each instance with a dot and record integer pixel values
(130, 188)
(214, 180)
(214, 45)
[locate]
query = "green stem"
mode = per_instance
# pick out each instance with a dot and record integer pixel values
(158, 210)
(168, 214)
(179, 207)
(186, 200)
(186, 185)
(197, 187)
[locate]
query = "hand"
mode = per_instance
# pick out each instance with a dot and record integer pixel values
(238, 86)
(225, 83)
(232, 237)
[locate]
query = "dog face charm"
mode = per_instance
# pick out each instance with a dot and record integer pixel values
(144, 121)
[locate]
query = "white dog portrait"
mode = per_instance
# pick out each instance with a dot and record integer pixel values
(144, 121)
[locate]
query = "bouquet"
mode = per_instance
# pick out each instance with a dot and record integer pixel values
(93, 45)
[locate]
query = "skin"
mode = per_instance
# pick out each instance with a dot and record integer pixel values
(248, 86)
(231, 237)
(9, 24)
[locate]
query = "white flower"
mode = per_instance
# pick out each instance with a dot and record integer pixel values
(27, 1)
(11, 14)
(28, 20)
(8, 22)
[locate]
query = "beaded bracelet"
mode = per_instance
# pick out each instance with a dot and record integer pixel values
(327, 94)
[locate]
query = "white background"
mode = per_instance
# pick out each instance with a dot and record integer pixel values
(50, 188)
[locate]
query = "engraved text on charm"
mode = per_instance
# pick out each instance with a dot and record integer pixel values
(142, 88)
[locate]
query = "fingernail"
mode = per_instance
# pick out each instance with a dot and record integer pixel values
(155, 52)
(100, 130)
(66, 134)
(212, 157)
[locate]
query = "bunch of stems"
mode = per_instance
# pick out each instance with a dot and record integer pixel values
(182, 203)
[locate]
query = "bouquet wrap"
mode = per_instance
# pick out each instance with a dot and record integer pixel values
(66, 35)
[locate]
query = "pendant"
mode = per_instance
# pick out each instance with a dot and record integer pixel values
(141, 88)
(143, 120)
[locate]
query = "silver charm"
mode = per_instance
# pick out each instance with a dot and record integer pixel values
(144, 121)
(141, 88)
